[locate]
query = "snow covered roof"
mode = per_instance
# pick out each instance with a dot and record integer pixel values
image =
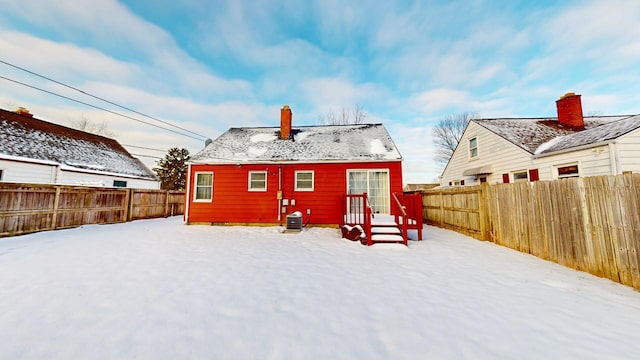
(25, 137)
(545, 135)
(364, 142)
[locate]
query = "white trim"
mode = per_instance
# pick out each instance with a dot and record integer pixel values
(249, 188)
(195, 186)
(525, 171)
(575, 148)
(295, 180)
(573, 163)
(477, 155)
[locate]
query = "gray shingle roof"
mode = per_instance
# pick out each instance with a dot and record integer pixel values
(23, 136)
(366, 142)
(546, 135)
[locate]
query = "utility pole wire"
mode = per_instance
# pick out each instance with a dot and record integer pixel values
(100, 108)
(142, 147)
(97, 97)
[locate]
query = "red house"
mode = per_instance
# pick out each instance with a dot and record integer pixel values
(258, 175)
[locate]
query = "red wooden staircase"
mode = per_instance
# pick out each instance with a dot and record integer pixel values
(406, 214)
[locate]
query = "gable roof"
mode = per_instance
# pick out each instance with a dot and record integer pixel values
(365, 142)
(24, 137)
(545, 135)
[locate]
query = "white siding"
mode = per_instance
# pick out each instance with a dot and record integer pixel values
(86, 179)
(24, 172)
(506, 158)
(628, 148)
(591, 162)
(493, 150)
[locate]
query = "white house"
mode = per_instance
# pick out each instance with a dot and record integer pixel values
(36, 151)
(531, 149)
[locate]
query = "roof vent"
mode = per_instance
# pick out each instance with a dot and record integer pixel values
(207, 142)
(23, 111)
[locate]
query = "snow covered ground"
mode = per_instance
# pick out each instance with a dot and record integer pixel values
(157, 289)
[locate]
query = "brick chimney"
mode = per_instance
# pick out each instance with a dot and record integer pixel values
(570, 111)
(285, 122)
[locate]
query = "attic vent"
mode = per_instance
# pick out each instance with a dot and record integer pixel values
(207, 142)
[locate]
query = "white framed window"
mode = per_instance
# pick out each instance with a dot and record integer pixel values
(304, 180)
(203, 187)
(257, 181)
(473, 147)
(567, 171)
(521, 175)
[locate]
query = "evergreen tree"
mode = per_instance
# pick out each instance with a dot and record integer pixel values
(172, 170)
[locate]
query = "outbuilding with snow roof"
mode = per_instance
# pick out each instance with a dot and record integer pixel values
(37, 151)
(531, 149)
(259, 175)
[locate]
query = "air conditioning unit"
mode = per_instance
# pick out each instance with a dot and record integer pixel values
(294, 221)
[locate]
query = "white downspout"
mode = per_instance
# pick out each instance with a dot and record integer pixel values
(187, 197)
(279, 194)
(613, 158)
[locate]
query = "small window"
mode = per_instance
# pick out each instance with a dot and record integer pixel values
(483, 179)
(257, 181)
(304, 181)
(119, 183)
(473, 147)
(203, 186)
(520, 175)
(456, 183)
(568, 171)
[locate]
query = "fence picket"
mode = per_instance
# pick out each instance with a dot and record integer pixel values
(26, 208)
(590, 224)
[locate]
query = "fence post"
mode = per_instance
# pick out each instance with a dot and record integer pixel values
(166, 203)
(125, 205)
(56, 204)
(130, 205)
(482, 211)
(441, 208)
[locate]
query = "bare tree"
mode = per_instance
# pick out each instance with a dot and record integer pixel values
(345, 115)
(89, 126)
(448, 132)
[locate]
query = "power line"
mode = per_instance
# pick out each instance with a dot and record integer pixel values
(100, 108)
(98, 98)
(149, 156)
(142, 147)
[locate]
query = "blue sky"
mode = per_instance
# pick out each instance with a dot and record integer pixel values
(210, 65)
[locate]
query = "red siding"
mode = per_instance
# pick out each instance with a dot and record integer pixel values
(233, 203)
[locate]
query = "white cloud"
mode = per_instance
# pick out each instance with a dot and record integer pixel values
(333, 93)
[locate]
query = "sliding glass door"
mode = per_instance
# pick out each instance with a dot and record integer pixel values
(375, 183)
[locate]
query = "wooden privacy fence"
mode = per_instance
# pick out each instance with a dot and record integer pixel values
(26, 208)
(590, 224)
